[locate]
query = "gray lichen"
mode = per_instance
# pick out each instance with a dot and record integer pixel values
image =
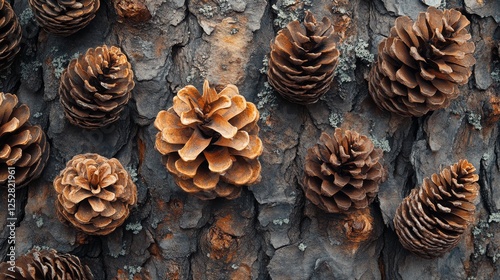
(134, 227)
(266, 100)
(495, 75)
(280, 222)
(207, 11)
(26, 16)
(133, 173)
(302, 246)
(289, 10)
(349, 53)
(335, 119)
(494, 217)
(28, 68)
(60, 63)
(474, 120)
(132, 270)
(224, 6)
(382, 144)
(37, 115)
(38, 220)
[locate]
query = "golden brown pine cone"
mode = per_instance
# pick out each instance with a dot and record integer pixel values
(210, 142)
(96, 86)
(303, 59)
(46, 265)
(422, 63)
(24, 149)
(342, 172)
(64, 17)
(10, 35)
(430, 221)
(94, 194)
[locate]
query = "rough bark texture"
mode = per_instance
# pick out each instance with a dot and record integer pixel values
(271, 231)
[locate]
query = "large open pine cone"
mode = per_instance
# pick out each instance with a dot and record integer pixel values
(210, 142)
(10, 35)
(430, 221)
(422, 63)
(96, 86)
(46, 265)
(22, 146)
(64, 17)
(342, 172)
(303, 59)
(94, 194)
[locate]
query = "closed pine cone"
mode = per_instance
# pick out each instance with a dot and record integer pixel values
(342, 172)
(10, 35)
(23, 146)
(430, 221)
(46, 265)
(422, 63)
(210, 142)
(64, 17)
(303, 59)
(95, 87)
(94, 194)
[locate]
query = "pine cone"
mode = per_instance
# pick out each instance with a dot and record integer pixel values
(210, 142)
(342, 172)
(96, 86)
(430, 221)
(10, 35)
(302, 60)
(46, 265)
(64, 17)
(422, 63)
(94, 194)
(23, 146)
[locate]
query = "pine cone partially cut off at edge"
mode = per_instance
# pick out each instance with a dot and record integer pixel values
(46, 265)
(94, 194)
(431, 220)
(422, 63)
(210, 142)
(23, 146)
(95, 87)
(10, 35)
(303, 59)
(64, 17)
(342, 172)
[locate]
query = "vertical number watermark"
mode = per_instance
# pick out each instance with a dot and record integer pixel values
(11, 218)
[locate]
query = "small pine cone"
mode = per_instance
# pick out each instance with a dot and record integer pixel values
(342, 172)
(96, 86)
(10, 35)
(94, 194)
(210, 142)
(23, 147)
(422, 63)
(64, 17)
(303, 59)
(46, 265)
(430, 221)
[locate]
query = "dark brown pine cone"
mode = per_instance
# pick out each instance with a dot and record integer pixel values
(422, 63)
(96, 86)
(64, 17)
(10, 35)
(430, 221)
(342, 172)
(45, 265)
(94, 194)
(210, 142)
(23, 147)
(303, 59)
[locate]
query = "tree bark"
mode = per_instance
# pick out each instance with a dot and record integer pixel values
(271, 231)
